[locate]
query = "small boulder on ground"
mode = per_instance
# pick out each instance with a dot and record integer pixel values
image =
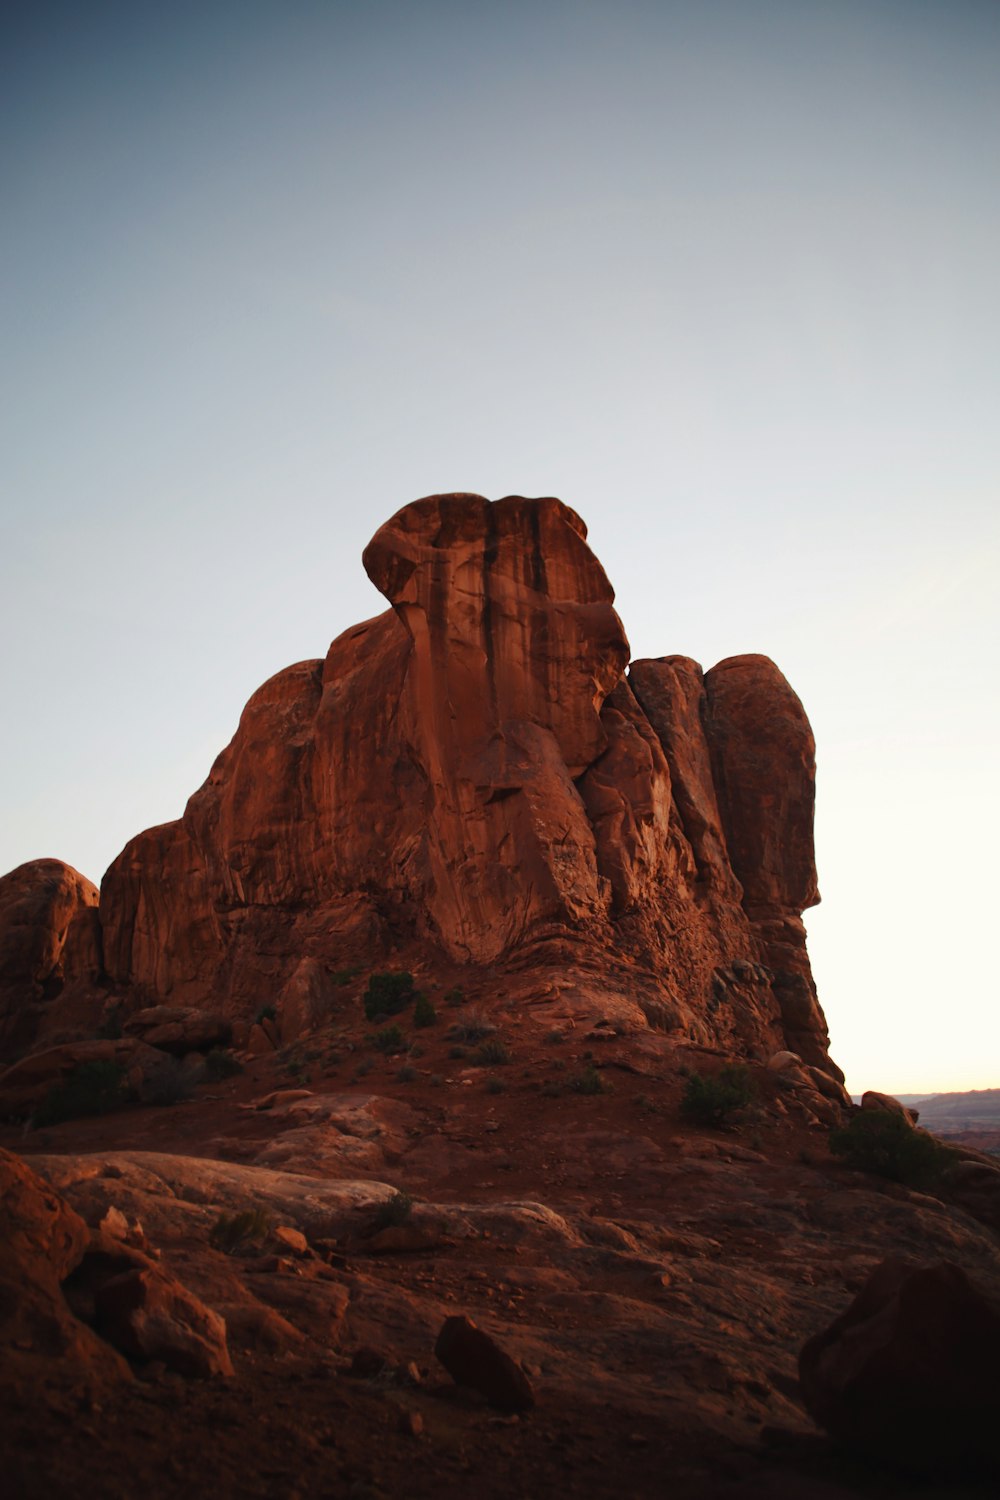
(147, 1314)
(473, 1358)
(910, 1373)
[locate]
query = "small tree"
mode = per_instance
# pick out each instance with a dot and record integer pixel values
(888, 1146)
(388, 994)
(424, 1013)
(712, 1100)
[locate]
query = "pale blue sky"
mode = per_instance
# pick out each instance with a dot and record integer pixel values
(721, 275)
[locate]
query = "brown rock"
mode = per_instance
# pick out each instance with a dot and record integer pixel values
(472, 1358)
(50, 947)
(42, 1240)
(910, 1373)
(147, 1314)
(179, 1029)
(888, 1105)
(472, 775)
(29, 1082)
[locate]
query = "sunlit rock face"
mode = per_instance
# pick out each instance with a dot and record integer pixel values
(476, 774)
(50, 945)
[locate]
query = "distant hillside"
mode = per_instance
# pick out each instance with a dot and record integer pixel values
(948, 1114)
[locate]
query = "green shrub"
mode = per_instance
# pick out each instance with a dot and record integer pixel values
(390, 1039)
(93, 1088)
(885, 1144)
(407, 1074)
(472, 1029)
(387, 994)
(495, 1085)
(712, 1100)
(220, 1063)
(454, 996)
(231, 1232)
(393, 1212)
(588, 1082)
(424, 1013)
(341, 977)
(493, 1054)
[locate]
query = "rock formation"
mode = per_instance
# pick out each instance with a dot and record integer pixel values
(473, 778)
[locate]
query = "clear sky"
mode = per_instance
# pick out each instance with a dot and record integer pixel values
(724, 275)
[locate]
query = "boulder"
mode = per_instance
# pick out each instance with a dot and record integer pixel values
(179, 1029)
(149, 1315)
(890, 1106)
(143, 1071)
(43, 1240)
(474, 1359)
(910, 1373)
(50, 947)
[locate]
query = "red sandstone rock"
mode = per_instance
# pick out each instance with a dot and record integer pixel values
(887, 1104)
(27, 1084)
(910, 1373)
(472, 776)
(42, 1240)
(179, 1029)
(474, 1359)
(50, 938)
(148, 1315)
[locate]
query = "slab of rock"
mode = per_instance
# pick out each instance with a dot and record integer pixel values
(28, 1083)
(910, 1373)
(472, 1358)
(179, 1029)
(148, 1314)
(42, 1240)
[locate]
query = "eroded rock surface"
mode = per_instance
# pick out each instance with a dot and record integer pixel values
(472, 777)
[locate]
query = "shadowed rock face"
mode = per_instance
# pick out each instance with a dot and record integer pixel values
(472, 774)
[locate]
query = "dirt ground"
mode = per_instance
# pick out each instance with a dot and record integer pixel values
(655, 1279)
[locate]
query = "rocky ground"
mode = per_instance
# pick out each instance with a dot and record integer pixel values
(654, 1279)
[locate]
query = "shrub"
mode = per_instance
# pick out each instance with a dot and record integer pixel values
(407, 1074)
(711, 1100)
(93, 1088)
(472, 1029)
(220, 1063)
(457, 1052)
(231, 1232)
(393, 1212)
(266, 1013)
(495, 1086)
(341, 977)
(588, 1082)
(110, 1028)
(493, 1054)
(424, 1013)
(388, 994)
(390, 1039)
(876, 1141)
(171, 1081)
(454, 996)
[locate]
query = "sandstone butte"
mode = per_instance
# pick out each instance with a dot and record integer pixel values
(476, 777)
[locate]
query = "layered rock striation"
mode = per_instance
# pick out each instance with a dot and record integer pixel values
(478, 774)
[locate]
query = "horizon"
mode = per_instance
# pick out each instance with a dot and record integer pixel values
(724, 283)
